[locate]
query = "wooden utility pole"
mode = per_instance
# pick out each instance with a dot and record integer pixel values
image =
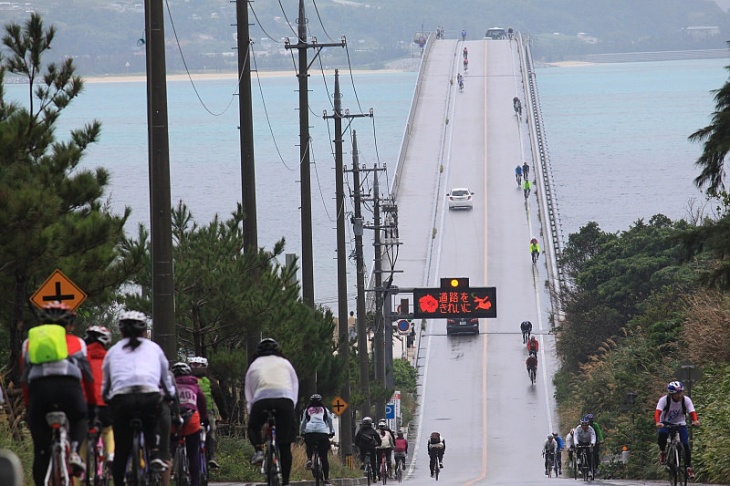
(163, 297)
(309, 383)
(344, 340)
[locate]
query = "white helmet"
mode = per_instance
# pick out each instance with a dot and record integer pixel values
(101, 334)
(198, 362)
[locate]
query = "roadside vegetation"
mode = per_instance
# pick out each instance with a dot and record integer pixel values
(643, 303)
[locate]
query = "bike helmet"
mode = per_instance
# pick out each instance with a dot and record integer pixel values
(133, 320)
(316, 398)
(367, 422)
(584, 422)
(57, 313)
(181, 369)
(675, 387)
(198, 362)
(533, 240)
(588, 417)
(550, 437)
(382, 424)
(99, 333)
(268, 346)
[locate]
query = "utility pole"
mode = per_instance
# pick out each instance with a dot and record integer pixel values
(379, 338)
(309, 383)
(362, 330)
(163, 298)
(344, 340)
(248, 168)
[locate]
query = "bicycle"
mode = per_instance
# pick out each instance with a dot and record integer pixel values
(585, 460)
(180, 464)
(204, 471)
(369, 473)
(400, 465)
(138, 470)
(558, 462)
(533, 374)
(57, 473)
(535, 255)
(317, 469)
(98, 472)
(383, 467)
(676, 463)
(526, 192)
(573, 463)
(518, 178)
(271, 467)
(550, 463)
(436, 468)
(525, 336)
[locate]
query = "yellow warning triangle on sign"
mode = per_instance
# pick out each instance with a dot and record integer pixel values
(58, 288)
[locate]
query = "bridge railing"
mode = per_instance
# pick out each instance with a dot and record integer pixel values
(549, 212)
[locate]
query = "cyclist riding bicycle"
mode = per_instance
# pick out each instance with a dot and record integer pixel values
(466, 64)
(317, 429)
(525, 170)
(526, 184)
(673, 409)
(54, 368)
(559, 452)
(569, 445)
(465, 53)
(272, 384)
(215, 402)
(194, 410)
(531, 363)
(98, 339)
(137, 384)
(387, 441)
(533, 346)
(584, 436)
(517, 105)
(436, 449)
(526, 328)
(366, 440)
(534, 249)
(550, 446)
(599, 438)
(400, 450)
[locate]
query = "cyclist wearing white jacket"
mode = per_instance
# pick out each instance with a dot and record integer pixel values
(317, 429)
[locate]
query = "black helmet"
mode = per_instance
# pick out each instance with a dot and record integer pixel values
(268, 346)
(316, 398)
(57, 313)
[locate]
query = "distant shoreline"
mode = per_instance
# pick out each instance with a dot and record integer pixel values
(132, 78)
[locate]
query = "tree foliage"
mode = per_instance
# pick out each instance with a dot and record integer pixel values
(51, 209)
(223, 295)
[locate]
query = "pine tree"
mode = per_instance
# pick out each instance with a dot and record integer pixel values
(51, 210)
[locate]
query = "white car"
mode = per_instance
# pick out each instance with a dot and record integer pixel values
(460, 197)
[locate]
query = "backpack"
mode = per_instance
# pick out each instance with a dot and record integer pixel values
(47, 343)
(435, 438)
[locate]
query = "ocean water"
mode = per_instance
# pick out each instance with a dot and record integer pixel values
(617, 135)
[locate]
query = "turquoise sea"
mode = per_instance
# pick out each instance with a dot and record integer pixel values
(617, 135)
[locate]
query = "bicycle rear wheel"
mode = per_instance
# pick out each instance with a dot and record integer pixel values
(436, 470)
(273, 471)
(317, 469)
(181, 468)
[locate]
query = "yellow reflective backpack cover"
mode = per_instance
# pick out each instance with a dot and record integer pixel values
(47, 343)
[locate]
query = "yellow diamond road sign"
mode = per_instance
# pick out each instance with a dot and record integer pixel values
(58, 287)
(339, 406)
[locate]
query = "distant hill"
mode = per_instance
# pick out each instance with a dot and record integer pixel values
(107, 37)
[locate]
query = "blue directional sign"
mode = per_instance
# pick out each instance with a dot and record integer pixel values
(390, 410)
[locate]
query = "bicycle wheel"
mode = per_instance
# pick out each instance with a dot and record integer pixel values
(532, 376)
(273, 475)
(556, 464)
(383, 470)
(317, 469)
(399, 466)
(549, 465)
(673, 464)
(436, 470)
(368, 473)
(181, 468)
(204, 471)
